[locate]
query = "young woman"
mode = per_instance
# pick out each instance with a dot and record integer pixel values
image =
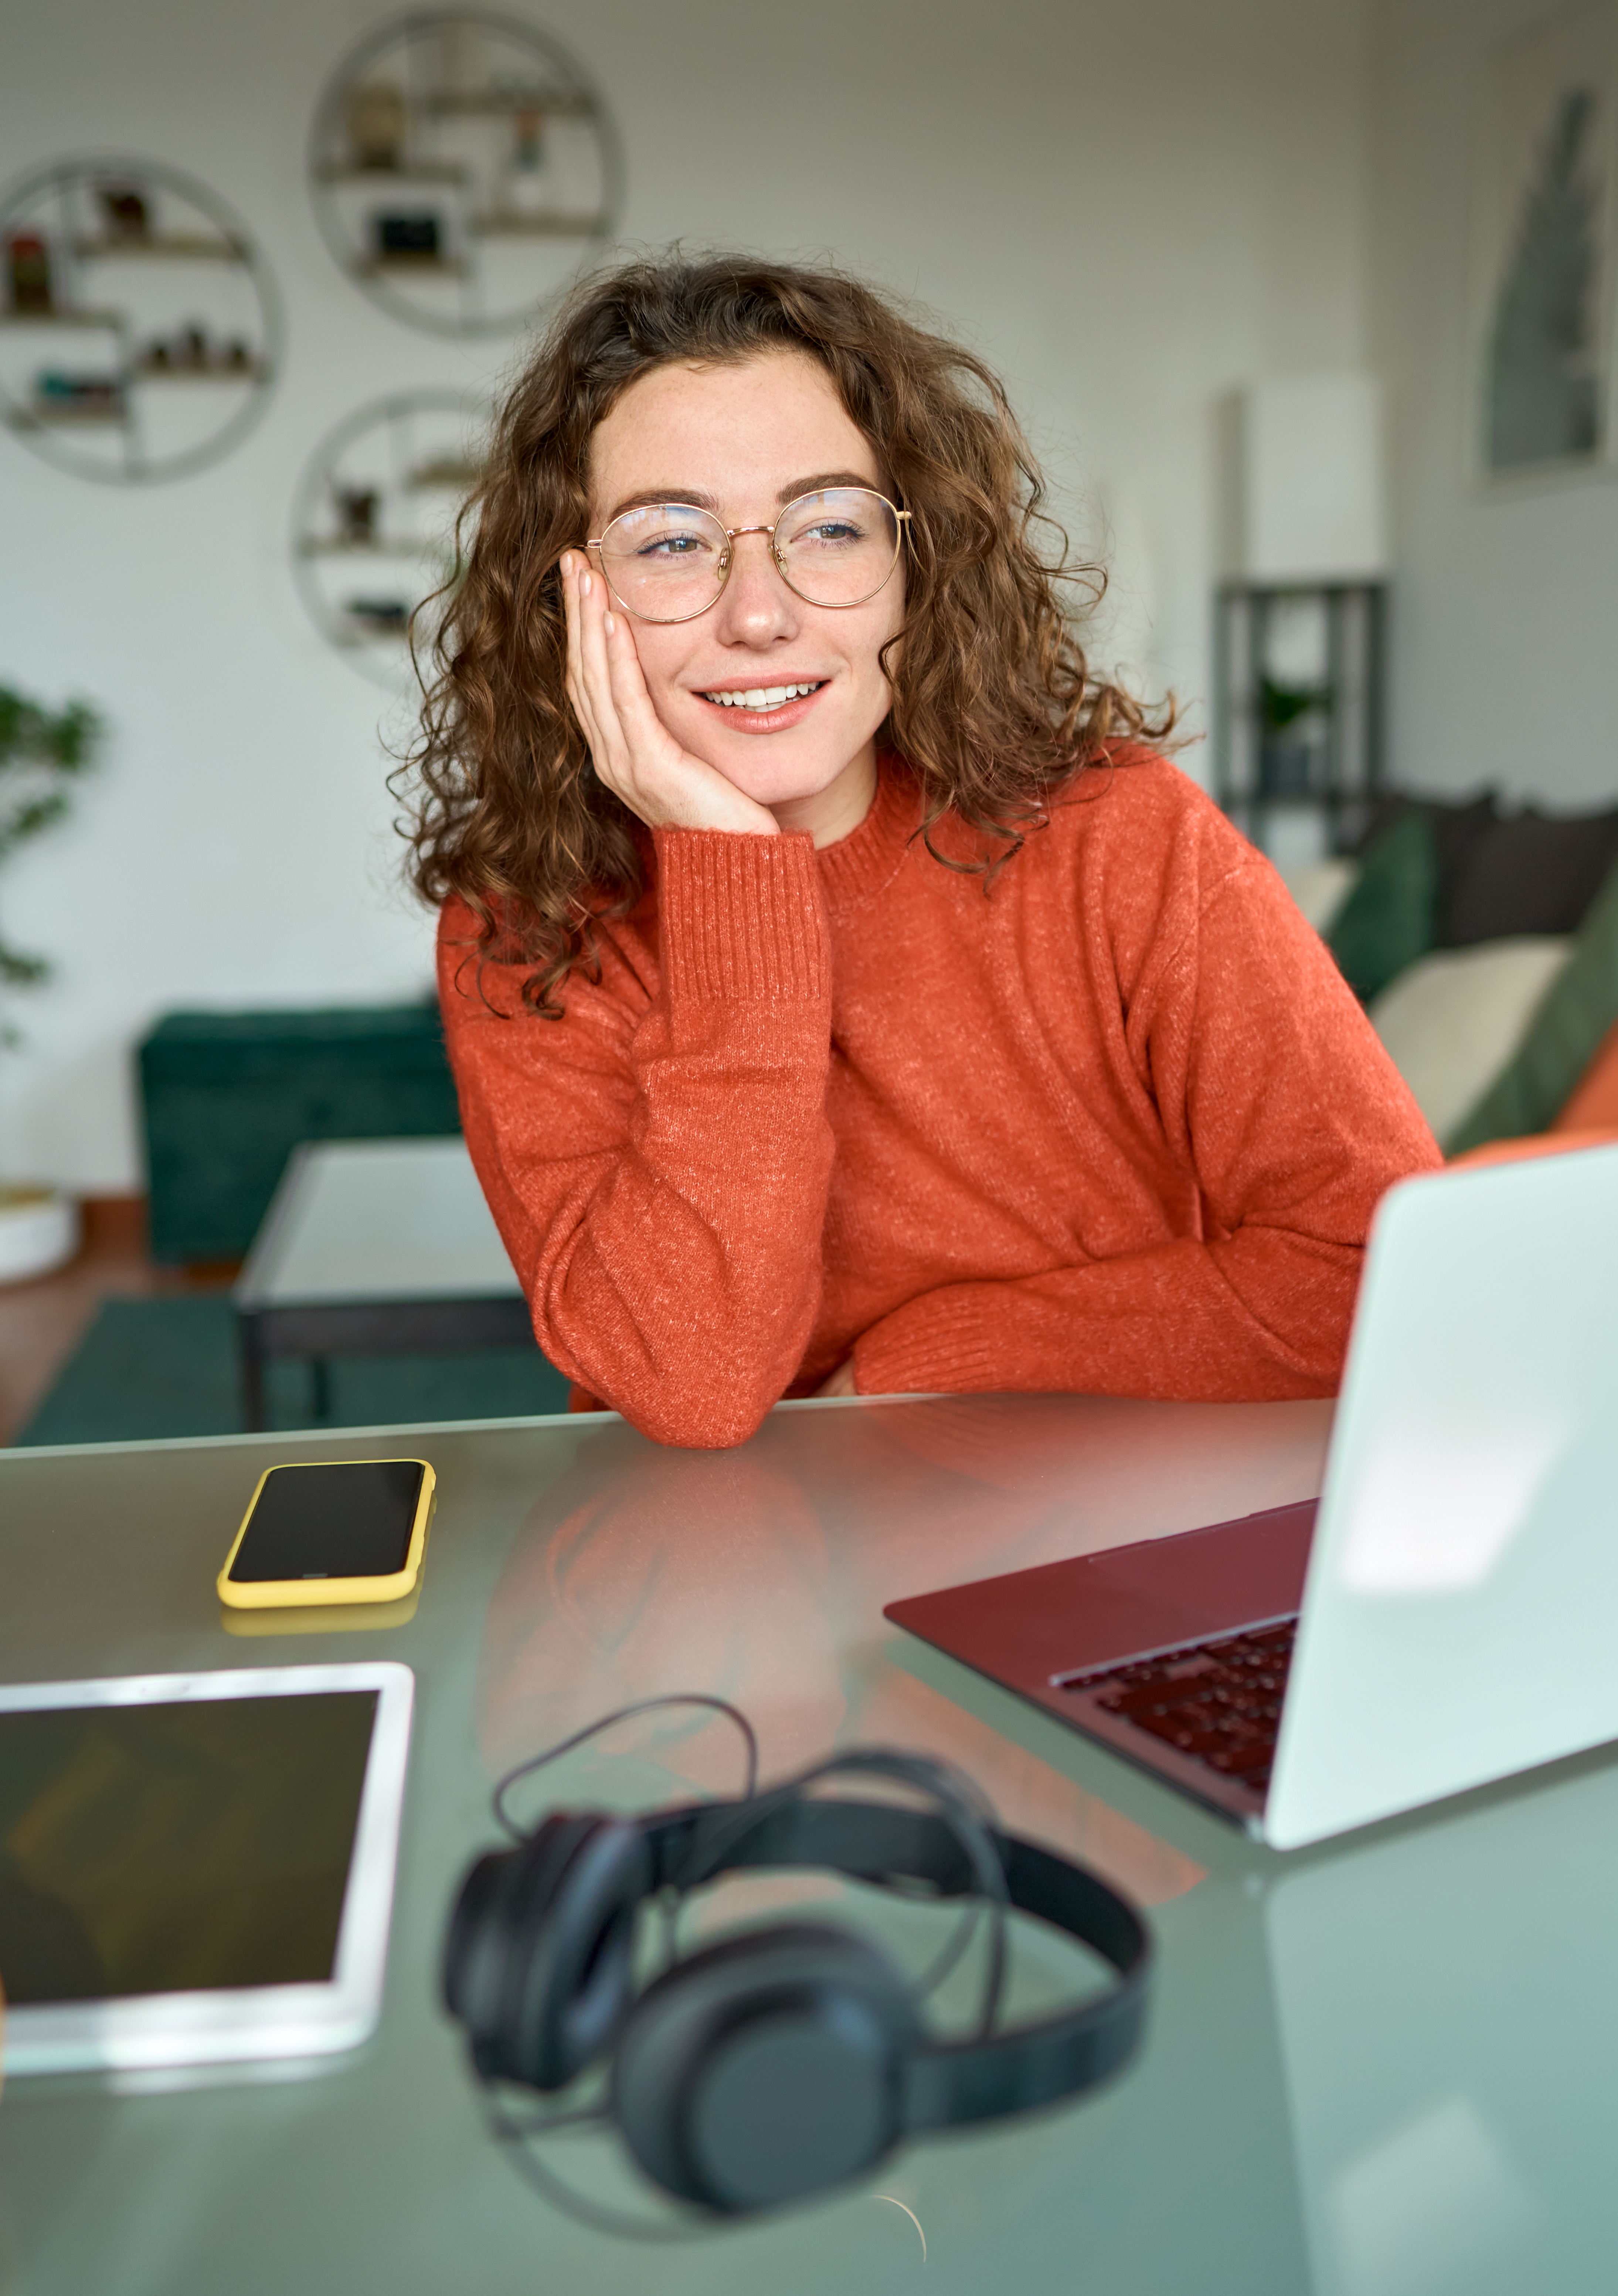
(842, 996)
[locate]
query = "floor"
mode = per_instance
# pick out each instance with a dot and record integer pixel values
(41, 1322)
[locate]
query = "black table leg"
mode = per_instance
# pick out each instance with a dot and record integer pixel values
(250, 1343)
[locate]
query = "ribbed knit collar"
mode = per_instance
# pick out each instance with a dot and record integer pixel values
(869, 857)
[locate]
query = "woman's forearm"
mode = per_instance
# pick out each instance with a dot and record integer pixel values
(660, 1174)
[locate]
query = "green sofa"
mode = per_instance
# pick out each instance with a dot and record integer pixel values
(228, 1096)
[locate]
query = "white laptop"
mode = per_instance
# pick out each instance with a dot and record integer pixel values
(198, 1868)
(1443, 1615)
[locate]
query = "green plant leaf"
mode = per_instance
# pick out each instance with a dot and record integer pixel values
(43, 746)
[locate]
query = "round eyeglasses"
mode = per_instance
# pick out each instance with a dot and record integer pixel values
(669, 561)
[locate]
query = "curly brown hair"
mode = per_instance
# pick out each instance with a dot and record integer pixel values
(994, 705)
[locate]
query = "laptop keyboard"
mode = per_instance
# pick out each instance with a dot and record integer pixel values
(1218, 1702)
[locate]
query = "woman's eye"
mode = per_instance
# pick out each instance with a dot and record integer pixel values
(830, 530)
(672, 545)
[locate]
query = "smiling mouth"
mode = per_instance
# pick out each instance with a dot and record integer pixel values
(762, 697)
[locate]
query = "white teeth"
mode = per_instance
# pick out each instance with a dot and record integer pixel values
(762, 697)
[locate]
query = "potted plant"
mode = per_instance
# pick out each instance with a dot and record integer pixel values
(41, 753)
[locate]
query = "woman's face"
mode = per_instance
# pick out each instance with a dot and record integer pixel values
(742, 440)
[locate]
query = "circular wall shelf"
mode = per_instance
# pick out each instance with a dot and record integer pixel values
(140, 329)
(464, 167)
(373, 522)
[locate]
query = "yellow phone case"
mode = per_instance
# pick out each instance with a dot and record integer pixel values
(326, 1617)
(298, 1593)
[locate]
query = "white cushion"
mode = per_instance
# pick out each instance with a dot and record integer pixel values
(1453, 1021)
(1320, 888)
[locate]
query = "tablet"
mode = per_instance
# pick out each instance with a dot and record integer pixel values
(198, 1867)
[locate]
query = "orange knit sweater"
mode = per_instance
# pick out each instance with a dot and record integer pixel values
(1114, 1126)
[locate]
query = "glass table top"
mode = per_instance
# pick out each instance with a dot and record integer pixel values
(1384, 2066)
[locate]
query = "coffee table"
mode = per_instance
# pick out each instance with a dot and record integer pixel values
(374, 1247)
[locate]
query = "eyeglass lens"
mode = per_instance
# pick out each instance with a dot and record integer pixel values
(669, 561)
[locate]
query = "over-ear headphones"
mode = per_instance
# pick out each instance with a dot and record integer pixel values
(780, 2061)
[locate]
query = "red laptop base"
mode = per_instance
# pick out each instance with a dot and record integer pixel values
(1031, 1629)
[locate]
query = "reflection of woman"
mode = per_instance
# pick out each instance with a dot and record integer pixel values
(840, 995)
(761, 1575)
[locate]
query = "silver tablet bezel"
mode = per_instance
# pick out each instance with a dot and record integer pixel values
(255, 2022)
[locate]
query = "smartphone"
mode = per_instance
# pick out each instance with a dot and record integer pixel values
(350, 1530)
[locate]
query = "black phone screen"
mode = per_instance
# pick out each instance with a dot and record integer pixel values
(351, 1519)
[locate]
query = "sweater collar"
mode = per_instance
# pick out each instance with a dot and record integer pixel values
(869, 857)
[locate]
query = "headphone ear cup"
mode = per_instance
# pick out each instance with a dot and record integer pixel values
(765, 2068)
(537, 1963)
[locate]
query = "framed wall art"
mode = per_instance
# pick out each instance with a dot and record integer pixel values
(1546, 224)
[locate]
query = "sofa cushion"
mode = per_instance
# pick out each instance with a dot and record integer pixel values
(1320, 889)
(1579, 1008)
(1537, 1144)
(1459, 825)
(1452, 1021)
(1531, 873)
(1594, 1105)
(1387, 921)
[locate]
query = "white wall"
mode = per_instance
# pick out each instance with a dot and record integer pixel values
(1129, 206)
(1503, 604)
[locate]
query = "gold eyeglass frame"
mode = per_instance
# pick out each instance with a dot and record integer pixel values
(732, 534)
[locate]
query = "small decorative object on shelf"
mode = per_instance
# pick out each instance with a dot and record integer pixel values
(1299, 681)
(357, 508)
(29, 265)
(190, 352)
(382, 491)
(377, 123)
(463, 166)
(125, 212)
(60, 397)
(407, 238)
(123, 275)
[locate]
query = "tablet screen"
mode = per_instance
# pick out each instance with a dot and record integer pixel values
(172, 1848)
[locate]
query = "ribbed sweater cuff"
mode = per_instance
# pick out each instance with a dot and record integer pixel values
(740, 915)
(937, 1345)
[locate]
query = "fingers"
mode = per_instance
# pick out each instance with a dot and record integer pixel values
(614, 760)
(627, 684)
(628, 740)
(634, 753)
(589, 688)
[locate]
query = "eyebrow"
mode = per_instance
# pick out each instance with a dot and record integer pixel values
(647, 498)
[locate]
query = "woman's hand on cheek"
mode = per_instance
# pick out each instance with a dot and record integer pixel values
(633, 751)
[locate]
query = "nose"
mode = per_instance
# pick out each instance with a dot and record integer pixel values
(756, 608)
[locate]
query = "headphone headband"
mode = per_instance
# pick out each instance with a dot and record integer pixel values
(777, 2062)
(945, 2082)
